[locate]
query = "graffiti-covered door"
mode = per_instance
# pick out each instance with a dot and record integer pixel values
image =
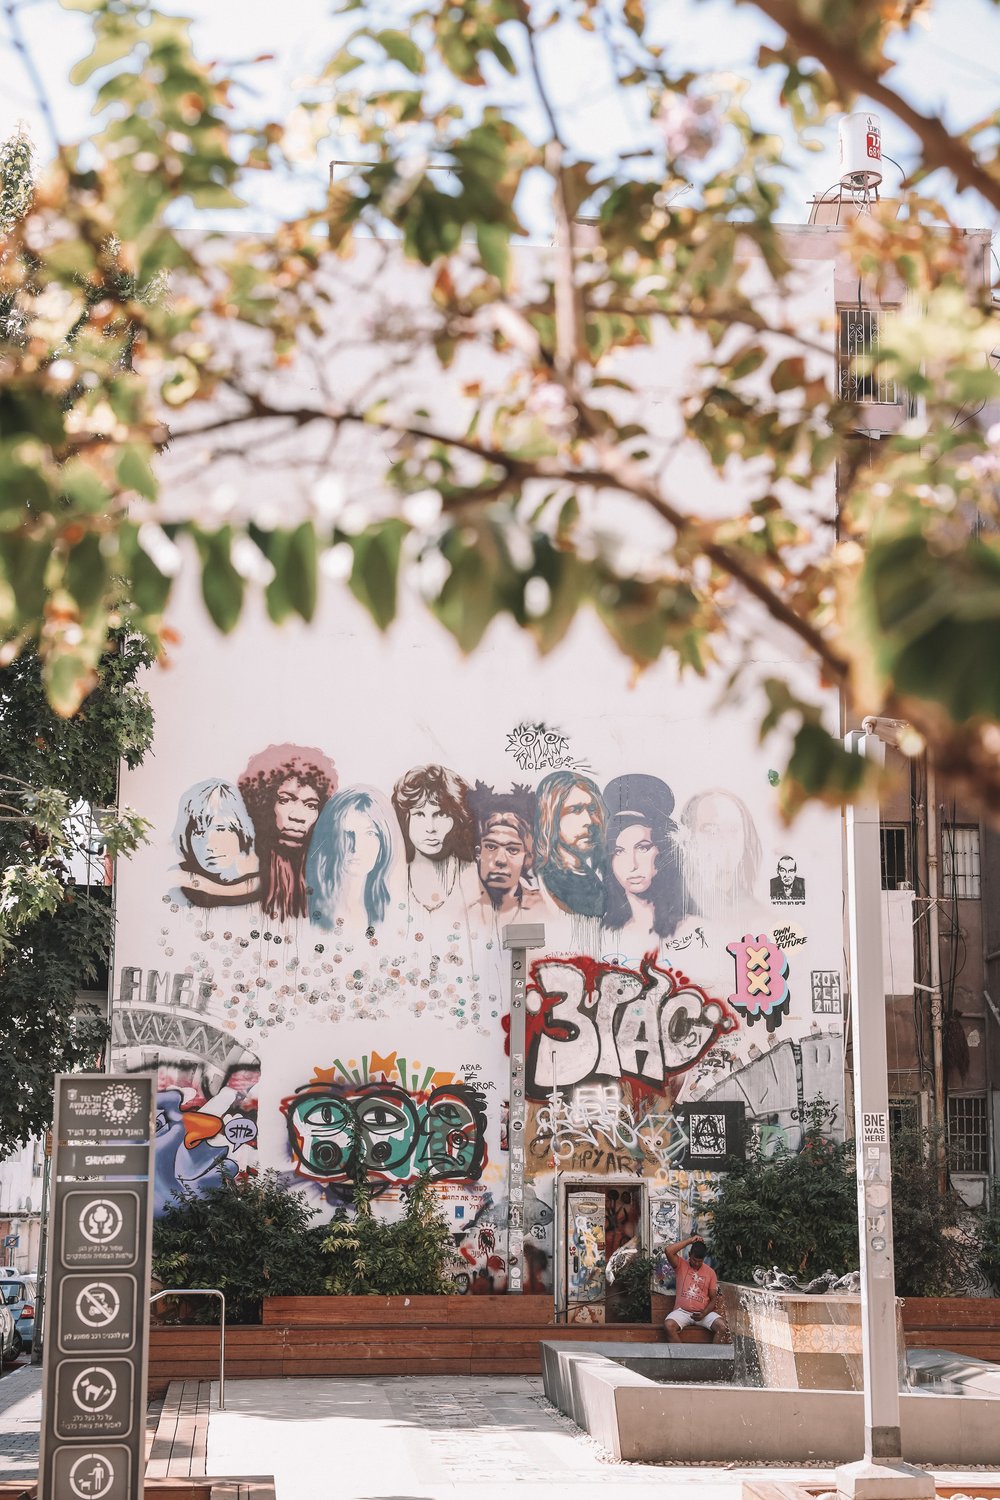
(599, 1224)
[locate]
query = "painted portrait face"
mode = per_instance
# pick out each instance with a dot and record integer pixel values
(216, 847)
(296, 808)
(633, 859)
(429, 828)
(502, 856)
(362, 844)
(719, 835)
(579, 821)
(786, 870)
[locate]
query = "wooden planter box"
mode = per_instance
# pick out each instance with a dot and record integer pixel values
(379, 1336)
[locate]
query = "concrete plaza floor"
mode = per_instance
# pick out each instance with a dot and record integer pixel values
(413, 1437)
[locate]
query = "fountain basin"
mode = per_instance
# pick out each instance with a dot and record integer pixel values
(800, 1342)
(641, 1420)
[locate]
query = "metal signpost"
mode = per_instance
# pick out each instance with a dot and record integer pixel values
(881, 1473)
(94, 1407)
(518, 937)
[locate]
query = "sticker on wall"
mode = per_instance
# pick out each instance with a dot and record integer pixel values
(826, 998)
(788, 888)
(716, 1133)
(761, 975)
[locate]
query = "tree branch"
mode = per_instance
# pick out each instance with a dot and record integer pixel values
(940, 147)
(616, 471)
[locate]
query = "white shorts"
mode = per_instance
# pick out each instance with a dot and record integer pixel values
(684, 1319)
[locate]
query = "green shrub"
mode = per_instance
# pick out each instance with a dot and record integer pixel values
(989, 1240)
(632, 1286)
(796, 1211)
(927, 1225)
(252, 1239)
(412, 1256)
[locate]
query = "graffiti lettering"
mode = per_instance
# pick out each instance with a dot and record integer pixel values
(536, 747)
(595, 1020)
(597, 1117)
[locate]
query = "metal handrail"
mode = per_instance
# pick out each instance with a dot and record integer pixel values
(204, 1291)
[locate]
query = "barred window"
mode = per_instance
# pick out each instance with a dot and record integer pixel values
(904, 1115)
(895, 838)
(860, 333)
(960, 861)
(968, 1133)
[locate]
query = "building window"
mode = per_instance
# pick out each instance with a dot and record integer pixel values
(895, 857)
(904, 1116)
(860, 336)
(968, 1135)
(960, 861)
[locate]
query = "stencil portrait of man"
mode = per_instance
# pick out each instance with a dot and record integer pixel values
(504, 851)
(570, 853)
(285, 788)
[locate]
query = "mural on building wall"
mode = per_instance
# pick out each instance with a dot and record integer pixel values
(322, 927)
(386, 1121)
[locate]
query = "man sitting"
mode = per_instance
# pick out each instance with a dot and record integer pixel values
(697, 1292)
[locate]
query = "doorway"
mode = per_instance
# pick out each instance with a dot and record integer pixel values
(595, 1218)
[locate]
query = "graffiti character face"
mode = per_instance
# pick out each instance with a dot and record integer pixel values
(296, 808)
(391, 1135)
(502, 856)
(580, 821)
(429, 828)
(387, 1131)
(362, 844)
(453, 1142)
(322, 1132)
(633, 859)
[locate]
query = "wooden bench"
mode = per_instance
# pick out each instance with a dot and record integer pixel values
(965, 1325)
(380, 1336)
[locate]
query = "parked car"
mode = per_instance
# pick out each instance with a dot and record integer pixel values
(19, 1296)
(10, 1339)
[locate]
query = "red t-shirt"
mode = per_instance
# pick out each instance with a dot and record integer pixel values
(696, 1289)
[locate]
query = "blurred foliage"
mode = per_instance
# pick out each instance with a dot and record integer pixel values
(58, 796)
(518, 502)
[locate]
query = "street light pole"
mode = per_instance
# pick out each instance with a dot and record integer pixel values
(518, 937)
(881, 1474)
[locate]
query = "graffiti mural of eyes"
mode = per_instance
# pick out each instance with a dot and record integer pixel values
(388, 1125)
(325, 1134)
(162, 1123)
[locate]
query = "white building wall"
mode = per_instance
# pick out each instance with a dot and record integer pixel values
(368, 1033)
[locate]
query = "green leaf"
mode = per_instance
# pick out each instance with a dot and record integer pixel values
(299, 570)
(493, 241)
(134, 472)
(376, 566)
(86, 574)
(221, 585)
(402, 49)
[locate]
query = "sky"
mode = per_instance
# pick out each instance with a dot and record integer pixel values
(944, 68)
